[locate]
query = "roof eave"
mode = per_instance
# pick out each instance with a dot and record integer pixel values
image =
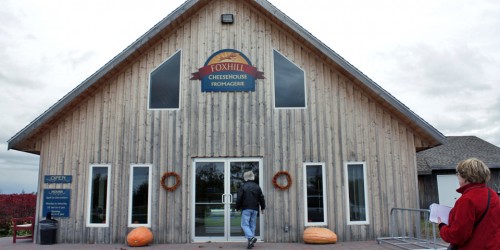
(438, 137)
(30, 129)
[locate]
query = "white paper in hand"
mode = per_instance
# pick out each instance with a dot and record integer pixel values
(440, 211)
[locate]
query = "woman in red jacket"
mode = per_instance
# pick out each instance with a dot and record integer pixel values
(468, 228)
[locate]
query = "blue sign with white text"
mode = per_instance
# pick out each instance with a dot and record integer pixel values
(57, 202)
(227, 70)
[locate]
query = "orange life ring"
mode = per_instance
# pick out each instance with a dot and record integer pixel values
(176, 184)
(288, 180)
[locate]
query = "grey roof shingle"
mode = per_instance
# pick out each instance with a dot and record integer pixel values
(455, 149)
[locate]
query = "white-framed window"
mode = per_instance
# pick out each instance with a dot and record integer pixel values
(289, 83)
(356, 193)
(165, 84)
(98, 195)
(315, 194)
(139, 208)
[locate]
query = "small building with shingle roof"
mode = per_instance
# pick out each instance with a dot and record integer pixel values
(439, 163)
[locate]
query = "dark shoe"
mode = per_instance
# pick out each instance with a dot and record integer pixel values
(252, 241)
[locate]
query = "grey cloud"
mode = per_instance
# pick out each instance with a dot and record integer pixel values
(493, 108)
(453, 123)
(18, 181)
(13, 76)
(18, 171)
(17, 160)
(77, 58)
(7, 17)
(442, 72)
(481, 120)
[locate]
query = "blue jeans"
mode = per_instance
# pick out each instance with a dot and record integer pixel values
(249, 222)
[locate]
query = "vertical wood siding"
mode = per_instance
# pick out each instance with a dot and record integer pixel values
(341, 124)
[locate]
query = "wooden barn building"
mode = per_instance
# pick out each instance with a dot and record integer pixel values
(161, 135)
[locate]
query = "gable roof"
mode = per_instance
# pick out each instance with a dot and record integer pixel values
(20, 141)
(456, 149)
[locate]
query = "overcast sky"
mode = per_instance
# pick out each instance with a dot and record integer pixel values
(441, 58)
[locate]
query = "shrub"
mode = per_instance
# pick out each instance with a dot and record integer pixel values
(15, 206)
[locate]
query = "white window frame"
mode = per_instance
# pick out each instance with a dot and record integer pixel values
(325, 204)
(131, 191)
(367, 208)
(89, 196)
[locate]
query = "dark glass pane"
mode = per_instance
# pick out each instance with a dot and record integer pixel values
(209, 209)
(209, 220)
(315, 206)
(209, 182)
(289, 83)
(165, 84)
(237, 171)
(236, 229)
(99, 194)
(356, 184)
(140, 195)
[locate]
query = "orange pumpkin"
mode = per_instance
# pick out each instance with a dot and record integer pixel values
(140, 236)
(318, 235)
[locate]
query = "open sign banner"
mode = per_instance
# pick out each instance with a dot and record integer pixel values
(58, 179)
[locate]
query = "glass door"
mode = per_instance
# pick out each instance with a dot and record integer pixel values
(216, 184)
(209, 200)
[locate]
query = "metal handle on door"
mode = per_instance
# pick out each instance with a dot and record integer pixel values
(223, 198)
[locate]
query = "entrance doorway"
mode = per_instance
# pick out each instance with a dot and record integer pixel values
(215, 188)
(447, 184)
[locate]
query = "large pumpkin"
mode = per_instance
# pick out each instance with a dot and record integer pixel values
(319, 235)
(140, 236)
